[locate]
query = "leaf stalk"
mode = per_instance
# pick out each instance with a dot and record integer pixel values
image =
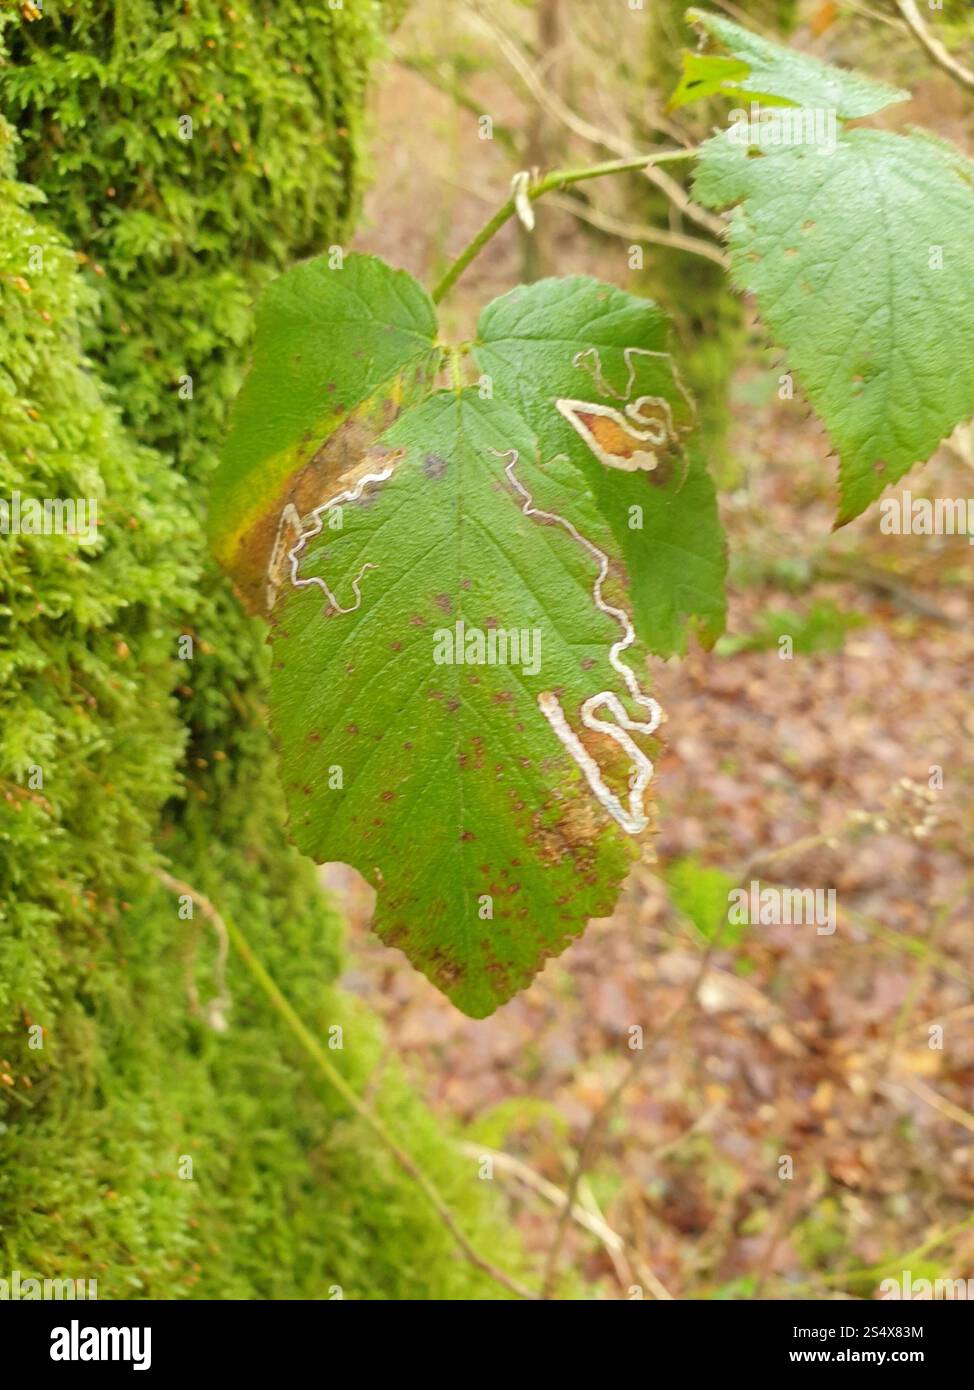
(556, 179)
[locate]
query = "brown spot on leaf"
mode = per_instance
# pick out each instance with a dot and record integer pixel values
(445, 970)
(260, 556)
(434, 467)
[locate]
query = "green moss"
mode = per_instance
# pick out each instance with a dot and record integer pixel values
(148, 750)
(89, 738)
(191, 155)
(288, 1196)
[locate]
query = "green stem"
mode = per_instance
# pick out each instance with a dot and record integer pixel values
(285, 1010)
(456, 372)
(557, 178)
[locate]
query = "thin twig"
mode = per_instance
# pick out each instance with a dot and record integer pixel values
(531, 1178)
(309, 1043)
(936, 50)
(586, 1149)
(875, 1272)
(876, 16)
(911, 946)
(427, 72)
(585, 1214)
(620, 1262)
(537, 188)
(867, 577)
(938, 1102)
(750, 21)
(637, 231)
(551, 101)
(921, 979)
(711, 221)
(595, 135)
(215, 1012)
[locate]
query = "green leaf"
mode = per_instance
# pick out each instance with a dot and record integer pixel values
(703, 893)
(822, 629)
(447, 784)
(311, 405)
(711, 74)
(862, 264)
(576, 358)
(496, 799)
(774, 71)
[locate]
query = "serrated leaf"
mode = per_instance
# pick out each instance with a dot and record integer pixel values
(777, 71)
(444, 782)
(588, 367)
(495, 801)
(310, 407)
(843, 253)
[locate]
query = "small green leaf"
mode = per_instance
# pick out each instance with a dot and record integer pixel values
(822, 629)
(711, 74)
(340, 350)
(774, 71)
(588, 367)
(862, 263)
(410, 752)
(703, 893)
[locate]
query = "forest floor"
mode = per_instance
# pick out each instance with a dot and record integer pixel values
(817, 1048)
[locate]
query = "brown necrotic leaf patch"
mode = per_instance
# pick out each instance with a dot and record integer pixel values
(335, 466)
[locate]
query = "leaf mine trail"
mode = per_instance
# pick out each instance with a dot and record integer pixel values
(634, 819)
(635, 423)
(315, 529)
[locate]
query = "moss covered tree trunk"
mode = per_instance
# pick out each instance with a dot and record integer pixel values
(186, 152)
